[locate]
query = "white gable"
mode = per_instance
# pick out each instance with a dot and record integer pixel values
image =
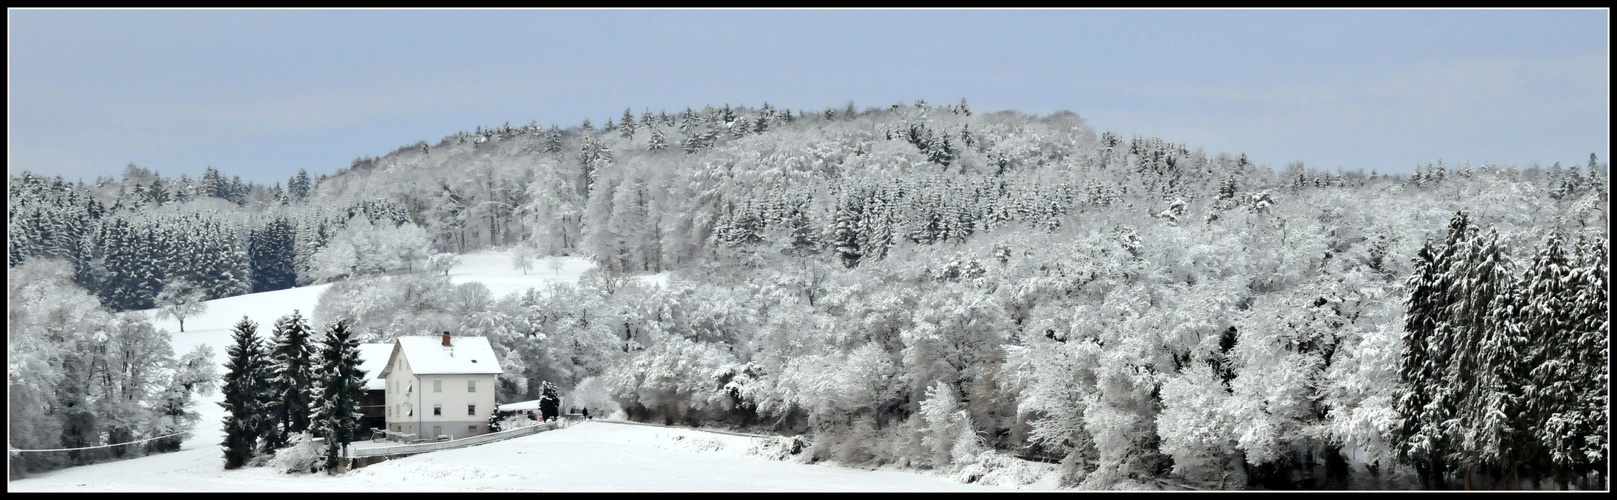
(372, 358)
(465, 356)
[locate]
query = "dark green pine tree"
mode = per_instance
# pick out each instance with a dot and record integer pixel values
(692, 143)
(272, 255)
(1570, 377)
(553, 140)
(292, 361)
(549, 401)
(246, 394)
(761, 125)
(626, 125)
(158, 193)
(1492, 412)
(1591, 309)
(215, 185)
(846, 228)
(1545, 321)
(130, 278)
(1417, 439)
(1448, 344)
(238, 191)
(298, 187)
(339, 385)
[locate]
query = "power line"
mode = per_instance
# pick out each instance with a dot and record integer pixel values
(15, 450)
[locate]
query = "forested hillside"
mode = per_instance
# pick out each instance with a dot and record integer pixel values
(928, 286)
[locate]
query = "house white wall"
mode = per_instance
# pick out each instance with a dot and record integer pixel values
(407, 391)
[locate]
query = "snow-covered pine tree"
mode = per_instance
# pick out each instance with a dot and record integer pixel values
(626, 125)
(549, 401)
(1417, 438)
(298, 186)
(246, 394)
(657, 141)
(1543, 319)
(292, 360)
(339, 385)
(692, 143)
(553, 140)
(1591, 319)
(1567, 304)
(761, 125)
(1495, 373)
(1446, 346)
(272, 254)
(214, 184)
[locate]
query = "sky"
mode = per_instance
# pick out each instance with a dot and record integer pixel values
(263, 93)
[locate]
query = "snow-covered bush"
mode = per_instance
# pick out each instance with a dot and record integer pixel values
(948, 435)
(995, 469)
(591, 393)
(779, 448)
(301, 455)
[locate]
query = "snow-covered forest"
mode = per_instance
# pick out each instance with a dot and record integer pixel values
(910, 285)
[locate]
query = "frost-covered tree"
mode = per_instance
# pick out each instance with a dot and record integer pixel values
(522, 258)
(443, 262)
(180, 299)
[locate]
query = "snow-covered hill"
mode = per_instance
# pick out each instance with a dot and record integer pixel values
(593, 456)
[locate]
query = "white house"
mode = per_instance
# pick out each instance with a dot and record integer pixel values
(440, 386)
(372, 357)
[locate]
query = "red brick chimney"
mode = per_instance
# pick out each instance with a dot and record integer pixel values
(446, 339)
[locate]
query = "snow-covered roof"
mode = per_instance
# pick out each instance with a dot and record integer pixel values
(372, 358)
(520, 406)
(465, 356)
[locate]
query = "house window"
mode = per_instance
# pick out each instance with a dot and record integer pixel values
(390, 412)
(471, 428)
(437, 409)
(437, 385)
(471, 385)
(471, 409)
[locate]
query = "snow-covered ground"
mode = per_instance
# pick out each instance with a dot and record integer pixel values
(589, 456)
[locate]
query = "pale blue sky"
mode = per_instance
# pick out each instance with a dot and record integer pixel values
(261, 93)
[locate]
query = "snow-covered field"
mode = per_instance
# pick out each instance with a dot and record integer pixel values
(590, 456)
